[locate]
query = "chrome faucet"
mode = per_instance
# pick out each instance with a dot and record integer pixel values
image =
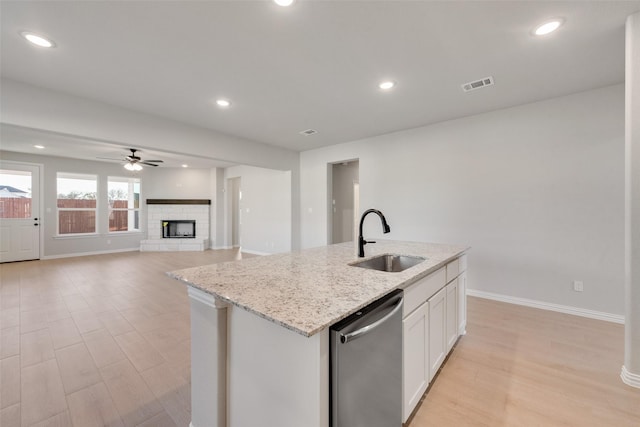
(361, 241)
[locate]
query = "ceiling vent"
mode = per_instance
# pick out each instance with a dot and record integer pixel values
(308, 132)
(487, 81)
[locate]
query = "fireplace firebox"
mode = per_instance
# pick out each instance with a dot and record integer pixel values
(178, 229)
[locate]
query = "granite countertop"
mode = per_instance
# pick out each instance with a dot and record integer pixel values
(309, 290)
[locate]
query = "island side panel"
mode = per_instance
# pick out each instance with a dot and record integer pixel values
(277, 377)
(208, 360)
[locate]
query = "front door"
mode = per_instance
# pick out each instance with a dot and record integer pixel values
(19, 212)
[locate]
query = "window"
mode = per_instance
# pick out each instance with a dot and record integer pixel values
(124, 204)
(15, 194)
(77, 203)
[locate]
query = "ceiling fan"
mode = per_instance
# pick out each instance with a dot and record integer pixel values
(133, 162)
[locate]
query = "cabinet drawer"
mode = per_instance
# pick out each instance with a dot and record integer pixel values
(422, 290)
(453, 269)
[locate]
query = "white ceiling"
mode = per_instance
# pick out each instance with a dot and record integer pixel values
(316, 64)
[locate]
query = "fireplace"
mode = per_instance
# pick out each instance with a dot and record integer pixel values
(189, 229)
(179, 229)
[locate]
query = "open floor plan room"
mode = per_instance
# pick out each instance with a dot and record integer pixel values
(105, 341)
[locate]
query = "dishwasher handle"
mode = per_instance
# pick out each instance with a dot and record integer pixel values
(345, 338)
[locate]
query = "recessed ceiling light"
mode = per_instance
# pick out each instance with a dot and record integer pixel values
(387, 84)
(548, 27)
(224, 103)
(37, 40)
(283, 3)
(185, 166)
(39, 147)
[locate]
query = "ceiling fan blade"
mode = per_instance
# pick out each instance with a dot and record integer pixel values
(111, 158)
(132, 158)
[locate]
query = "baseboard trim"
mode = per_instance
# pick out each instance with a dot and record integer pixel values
(115, 251)
(629, 378)
(576, 311)
(249, 251)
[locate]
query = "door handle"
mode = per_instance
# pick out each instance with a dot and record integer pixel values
(36, 224)
(345, 338)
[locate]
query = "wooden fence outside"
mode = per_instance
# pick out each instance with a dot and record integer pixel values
(70, 222)
(15, 207)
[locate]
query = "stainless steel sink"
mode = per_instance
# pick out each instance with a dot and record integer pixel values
(389, 263)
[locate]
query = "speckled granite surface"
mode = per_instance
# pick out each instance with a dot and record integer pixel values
(309, 290)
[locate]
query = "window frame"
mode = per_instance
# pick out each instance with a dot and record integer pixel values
(88, 177)
(133, 211)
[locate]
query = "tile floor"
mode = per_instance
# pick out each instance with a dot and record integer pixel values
(97, 341)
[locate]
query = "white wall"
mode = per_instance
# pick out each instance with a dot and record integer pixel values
(218, 212)
(179, 183)
(265, 207)
(536, 190)
(631, 369)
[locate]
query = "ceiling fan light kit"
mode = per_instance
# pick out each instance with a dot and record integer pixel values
(131, 166)
(134, 163)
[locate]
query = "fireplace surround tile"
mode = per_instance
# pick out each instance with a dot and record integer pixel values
(158, 212)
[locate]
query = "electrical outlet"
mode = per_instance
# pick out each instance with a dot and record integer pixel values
(578, 286)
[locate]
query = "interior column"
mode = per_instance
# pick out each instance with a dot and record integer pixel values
(631, 368)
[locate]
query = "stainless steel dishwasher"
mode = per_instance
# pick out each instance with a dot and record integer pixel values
(366, 366)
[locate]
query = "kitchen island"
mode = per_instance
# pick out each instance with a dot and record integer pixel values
(259, 328)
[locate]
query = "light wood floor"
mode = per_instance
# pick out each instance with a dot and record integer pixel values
(97, 341)
(104, 341)
(520, 366)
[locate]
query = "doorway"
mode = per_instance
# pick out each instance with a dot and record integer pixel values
(19, 212)
(235, 219)
(344, 201)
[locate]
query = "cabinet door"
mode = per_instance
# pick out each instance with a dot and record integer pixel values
(415, 358)
(462, 303)
(452, 314)
(437, 333)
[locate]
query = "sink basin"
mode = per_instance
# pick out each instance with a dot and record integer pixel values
(389, 263)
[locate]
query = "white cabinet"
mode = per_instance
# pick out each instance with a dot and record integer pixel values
(437, 334)
(434, 315)
(462, 303)
(419, 292)
(453, 269)
(415, 357)
(415, 329)
(452, 313)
